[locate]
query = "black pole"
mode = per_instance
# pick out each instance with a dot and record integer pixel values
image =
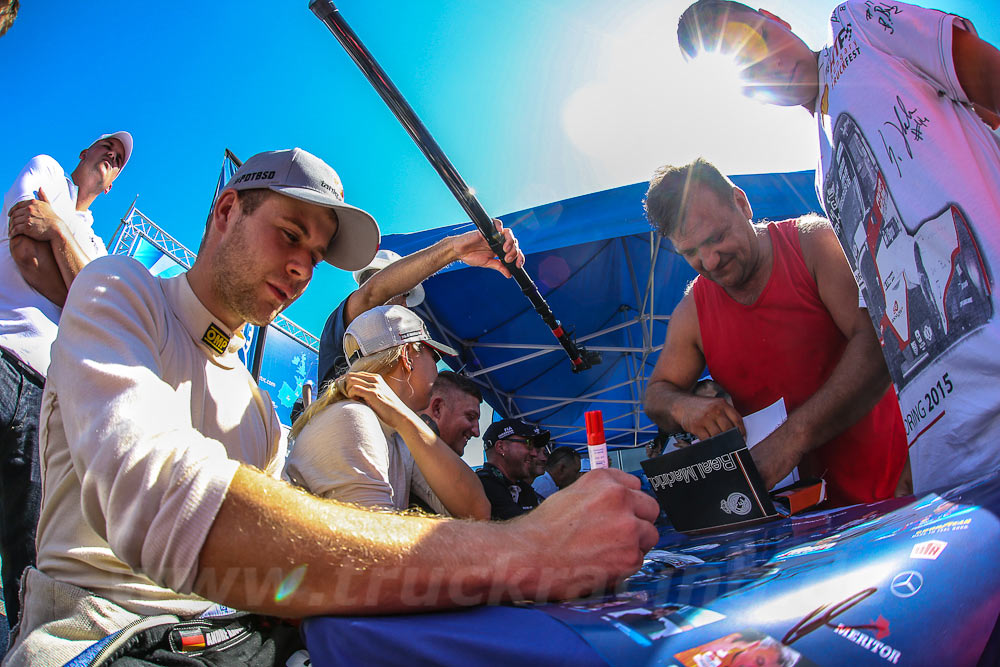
(326, 12)
(238, 162)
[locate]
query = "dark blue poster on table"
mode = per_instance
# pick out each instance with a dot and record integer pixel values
(894, 583)
(901, 582)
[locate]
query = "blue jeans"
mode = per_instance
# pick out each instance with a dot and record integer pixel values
(20, 474)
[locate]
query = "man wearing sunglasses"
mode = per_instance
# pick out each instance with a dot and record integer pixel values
(513, 451)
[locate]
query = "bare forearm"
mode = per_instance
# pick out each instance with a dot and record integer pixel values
(402, 276)
(350, 560)
(858, 381)
(451, 479)
(274, 549)
(69, 257)
(661, 397)
(37, 265)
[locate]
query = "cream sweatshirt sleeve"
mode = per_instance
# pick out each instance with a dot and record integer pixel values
(151, 485)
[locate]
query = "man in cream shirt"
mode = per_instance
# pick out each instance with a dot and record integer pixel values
(160, 456)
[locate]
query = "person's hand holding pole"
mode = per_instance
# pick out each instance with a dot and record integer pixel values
(472, 249)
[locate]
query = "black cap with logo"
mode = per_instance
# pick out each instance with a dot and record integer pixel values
(505, 428)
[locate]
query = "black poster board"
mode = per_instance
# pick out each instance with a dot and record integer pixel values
(711, 485)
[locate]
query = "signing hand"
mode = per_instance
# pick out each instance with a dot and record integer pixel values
(35, 219)
(473, 249)
(707, 417)
(372, 390)
(775, 457)
(603, 519)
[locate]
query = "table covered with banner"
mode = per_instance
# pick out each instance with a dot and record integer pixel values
(911, 581)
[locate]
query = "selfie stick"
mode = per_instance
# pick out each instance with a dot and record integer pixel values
(326, 12)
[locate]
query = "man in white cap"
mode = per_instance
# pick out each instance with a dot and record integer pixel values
(395, 281)
(48, 238)
(161, 458)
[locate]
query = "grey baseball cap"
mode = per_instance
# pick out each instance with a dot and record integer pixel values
(383, 327)
(301, 175)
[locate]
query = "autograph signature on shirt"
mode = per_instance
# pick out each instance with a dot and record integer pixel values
(908, 124)
(884, 12)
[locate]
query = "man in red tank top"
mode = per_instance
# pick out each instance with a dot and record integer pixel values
(774, 313)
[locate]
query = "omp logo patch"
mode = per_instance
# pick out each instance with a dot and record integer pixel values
(215, 338)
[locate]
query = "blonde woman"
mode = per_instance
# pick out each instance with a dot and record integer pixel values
(362, 441)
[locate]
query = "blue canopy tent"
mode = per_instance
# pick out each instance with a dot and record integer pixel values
(609, 278)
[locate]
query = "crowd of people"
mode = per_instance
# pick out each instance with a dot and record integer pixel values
(145, 481)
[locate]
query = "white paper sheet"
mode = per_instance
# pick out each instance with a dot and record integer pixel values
(761, 424)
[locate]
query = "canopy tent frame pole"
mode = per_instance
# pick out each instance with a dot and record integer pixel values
(635, 370)
(631, 349)
(453, 338)
(568, 400)
(560, 404)
(636, 402)
(643, 330)
(571, 430)
(646, 332)
(601, 332)
(541, 350)
(574, 428)
(648, 301)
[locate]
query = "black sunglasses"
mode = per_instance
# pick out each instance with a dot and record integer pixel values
(530, 442)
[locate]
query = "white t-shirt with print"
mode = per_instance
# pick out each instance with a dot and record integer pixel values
(910, 179)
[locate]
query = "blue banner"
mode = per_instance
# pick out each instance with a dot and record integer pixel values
(285, 367)
(159, 263)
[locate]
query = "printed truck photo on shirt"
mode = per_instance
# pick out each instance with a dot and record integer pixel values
(926, 284)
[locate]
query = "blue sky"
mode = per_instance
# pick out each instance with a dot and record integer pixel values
(533, 101)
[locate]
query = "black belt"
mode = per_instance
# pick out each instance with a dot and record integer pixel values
(27, 371)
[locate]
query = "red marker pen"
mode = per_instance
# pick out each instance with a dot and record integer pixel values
(596, 445)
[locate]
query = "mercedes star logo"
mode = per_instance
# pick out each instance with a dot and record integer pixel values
(906, 583)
